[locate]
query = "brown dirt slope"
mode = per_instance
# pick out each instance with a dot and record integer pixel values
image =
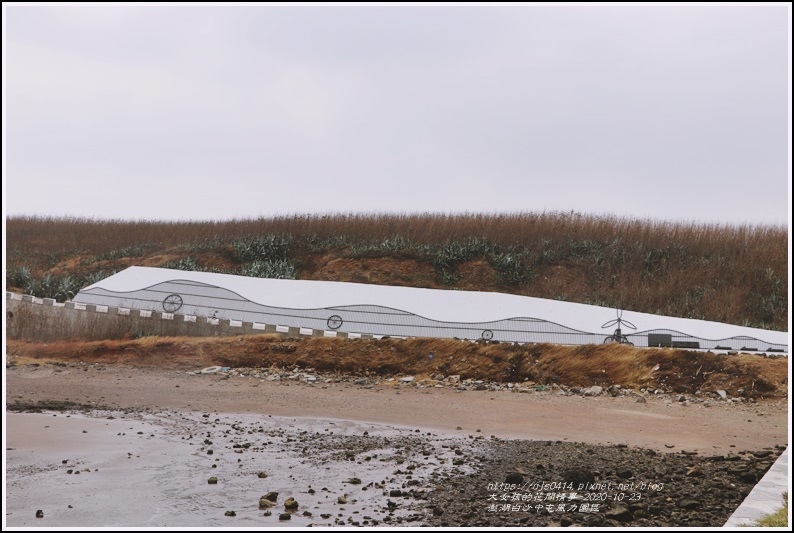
(670, 370)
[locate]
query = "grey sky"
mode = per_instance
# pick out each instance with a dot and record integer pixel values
(198, 112)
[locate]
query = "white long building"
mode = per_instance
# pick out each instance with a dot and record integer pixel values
(380, 310)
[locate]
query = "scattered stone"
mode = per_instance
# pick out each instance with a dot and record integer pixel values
(395, 493)
(514, 478)
(267, 513)
(688, 503)
(284, 516)
(722, 393)
(212, 481)
(407, 379)
(230, 513)
(594, 520)
(261, 475)
(619, 513)
(354, 481)
(265, 503)
(39, 514)
(747, 476)
(624, 474)
(271, 496)
(695, 471)
(595, 390)
(577, 476)
(438, 511)
(762, 453)
(342, 499)
(290, 503)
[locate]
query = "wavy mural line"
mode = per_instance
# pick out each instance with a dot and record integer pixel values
(196, 298)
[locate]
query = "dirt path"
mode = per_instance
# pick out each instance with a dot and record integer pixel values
(661, 423)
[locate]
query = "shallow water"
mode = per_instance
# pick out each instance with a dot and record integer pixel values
(151, 469)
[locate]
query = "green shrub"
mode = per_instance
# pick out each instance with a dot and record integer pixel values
(19, 277)
(513, 268)
(263, 247)
(66, 288)
(452, 253)
(275, 269)
(388, 246)
(187, 263)
(324, 244)
(49, 286)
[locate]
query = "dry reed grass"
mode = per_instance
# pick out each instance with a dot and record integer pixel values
(52, 235)
(728, 273)
(677, 371)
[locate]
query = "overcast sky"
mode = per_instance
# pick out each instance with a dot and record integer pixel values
(214, 112)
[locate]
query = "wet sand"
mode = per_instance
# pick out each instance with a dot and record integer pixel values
(152, 469)
(703, 424)
(149, 465)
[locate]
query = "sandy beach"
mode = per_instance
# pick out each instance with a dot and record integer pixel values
(140, 442)
(704, 424)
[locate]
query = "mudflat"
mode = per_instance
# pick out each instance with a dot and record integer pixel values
(707, 425)
(370, 452)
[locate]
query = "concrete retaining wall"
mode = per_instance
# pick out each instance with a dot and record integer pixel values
(46, 320)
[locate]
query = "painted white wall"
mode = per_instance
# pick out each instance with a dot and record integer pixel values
(445, 305)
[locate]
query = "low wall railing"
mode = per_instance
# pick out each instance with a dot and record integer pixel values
(45, 319)
(28, 317)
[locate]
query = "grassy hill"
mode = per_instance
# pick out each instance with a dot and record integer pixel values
(724, 273)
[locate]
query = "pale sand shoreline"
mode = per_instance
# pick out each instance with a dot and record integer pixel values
(660, 423)
(36, 476)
